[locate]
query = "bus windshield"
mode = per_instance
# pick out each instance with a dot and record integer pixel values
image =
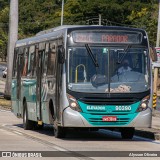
(108, 69)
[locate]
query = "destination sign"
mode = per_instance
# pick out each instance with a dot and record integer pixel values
(106, 37)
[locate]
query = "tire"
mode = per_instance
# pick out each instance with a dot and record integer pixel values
(127, 133)
(59, 132)
(27, 124)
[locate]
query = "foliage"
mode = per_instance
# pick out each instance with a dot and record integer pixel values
(4, 29)
(37, 15)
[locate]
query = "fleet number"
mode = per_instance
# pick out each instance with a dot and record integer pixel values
(123, 108)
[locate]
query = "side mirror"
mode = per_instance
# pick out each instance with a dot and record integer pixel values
(153, 54)
(61, 54)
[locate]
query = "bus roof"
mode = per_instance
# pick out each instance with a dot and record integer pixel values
(51, 33)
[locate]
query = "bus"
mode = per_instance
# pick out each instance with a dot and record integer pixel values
(86, 77)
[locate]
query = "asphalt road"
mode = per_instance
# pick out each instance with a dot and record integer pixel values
(14, 138)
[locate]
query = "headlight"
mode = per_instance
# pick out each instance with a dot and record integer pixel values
(73, 103)
(144, 104)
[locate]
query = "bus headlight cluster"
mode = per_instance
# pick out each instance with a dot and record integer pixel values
(144, 104)
(73, 103)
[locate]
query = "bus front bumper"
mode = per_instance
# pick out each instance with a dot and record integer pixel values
(73, 118)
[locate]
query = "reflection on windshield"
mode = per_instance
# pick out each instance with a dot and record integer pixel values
(128, 75)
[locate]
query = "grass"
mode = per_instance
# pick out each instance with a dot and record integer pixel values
(5, 103)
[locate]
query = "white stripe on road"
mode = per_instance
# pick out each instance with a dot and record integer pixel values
(18, 132)
(59, 148)
(2, 110)
(8, 133)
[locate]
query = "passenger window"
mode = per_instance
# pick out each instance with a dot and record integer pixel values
(52, 58)
(31, 57)
(34, 66)
(24, 73)
(46, 59)
(15, 63)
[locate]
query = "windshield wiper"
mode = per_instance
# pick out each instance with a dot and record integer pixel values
(120, 59)
(89, 51)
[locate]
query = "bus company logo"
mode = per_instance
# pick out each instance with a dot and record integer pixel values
(96, 108)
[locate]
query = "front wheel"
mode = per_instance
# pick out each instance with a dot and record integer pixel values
(127, 133)
(59, 132)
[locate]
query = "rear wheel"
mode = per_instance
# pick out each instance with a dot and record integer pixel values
(27, 124)
(127, 133)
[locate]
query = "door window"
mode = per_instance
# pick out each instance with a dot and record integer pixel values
(31, 59)
(52, 58)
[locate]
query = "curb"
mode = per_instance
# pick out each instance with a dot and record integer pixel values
(156, 113)
(3, 79)
(157, 136)
(154, 135)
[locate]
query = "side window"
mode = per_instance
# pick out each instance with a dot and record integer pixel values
(15, 63)
(31, 57)
(35, 61)
(25, 64)
(45, 59)
(21, 52)
(52, 58)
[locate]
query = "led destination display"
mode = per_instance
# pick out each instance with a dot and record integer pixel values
(106, 37)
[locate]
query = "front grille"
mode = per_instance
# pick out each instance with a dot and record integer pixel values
(108, 101)
(115, 113)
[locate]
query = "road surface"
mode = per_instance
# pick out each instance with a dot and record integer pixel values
(14, 138)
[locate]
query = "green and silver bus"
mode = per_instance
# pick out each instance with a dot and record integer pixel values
(89, 77)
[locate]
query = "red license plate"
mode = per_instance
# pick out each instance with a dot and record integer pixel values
(109, 118)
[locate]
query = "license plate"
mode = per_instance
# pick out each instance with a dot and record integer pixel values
(109, 118)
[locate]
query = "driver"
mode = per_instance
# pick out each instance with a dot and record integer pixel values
(125, 67)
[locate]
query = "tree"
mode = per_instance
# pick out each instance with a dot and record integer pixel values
(37, 15)
(4, 18)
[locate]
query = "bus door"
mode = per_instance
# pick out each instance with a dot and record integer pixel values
(60, 57)
(39, 57)
(19, 73)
